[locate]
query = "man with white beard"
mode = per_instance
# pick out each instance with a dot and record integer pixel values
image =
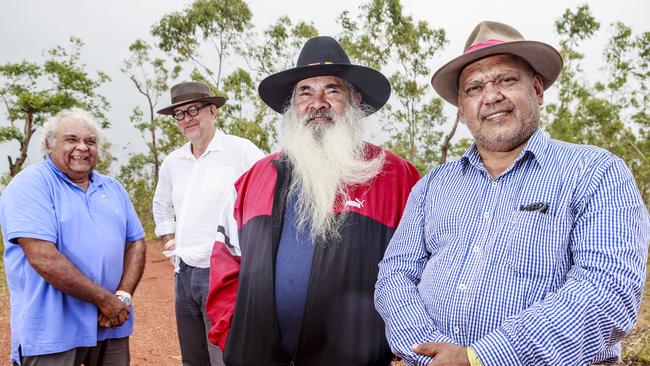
(301, 242)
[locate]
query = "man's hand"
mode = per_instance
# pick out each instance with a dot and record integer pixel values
(168, 247)
(113, 312)
(443, 353)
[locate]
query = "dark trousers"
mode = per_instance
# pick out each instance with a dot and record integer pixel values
(110, 352)
(192, 320)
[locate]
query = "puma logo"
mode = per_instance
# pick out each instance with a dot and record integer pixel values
(356, 203)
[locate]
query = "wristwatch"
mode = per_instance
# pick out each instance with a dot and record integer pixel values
(124, 297)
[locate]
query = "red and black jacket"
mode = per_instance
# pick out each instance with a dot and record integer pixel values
(340, 325)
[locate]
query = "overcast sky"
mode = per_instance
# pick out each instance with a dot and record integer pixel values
(28, 27)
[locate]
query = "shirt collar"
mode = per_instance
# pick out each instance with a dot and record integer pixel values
(216, 144)
(94, 178)
(535, 148)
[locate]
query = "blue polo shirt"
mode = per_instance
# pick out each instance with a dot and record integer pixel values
(90, 228)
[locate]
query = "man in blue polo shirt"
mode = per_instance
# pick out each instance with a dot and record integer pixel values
(74, 253)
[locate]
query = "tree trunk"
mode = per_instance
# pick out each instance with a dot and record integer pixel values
(154, 148)
(15, 167)
(445, 145)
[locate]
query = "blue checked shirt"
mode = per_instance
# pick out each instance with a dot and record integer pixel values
(543, 265)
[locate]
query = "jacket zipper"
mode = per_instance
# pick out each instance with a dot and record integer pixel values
(281, 195)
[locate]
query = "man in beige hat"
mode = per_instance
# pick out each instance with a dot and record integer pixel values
(526, 250)
(195, 180)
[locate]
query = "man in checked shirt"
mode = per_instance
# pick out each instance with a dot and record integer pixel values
(525, 251)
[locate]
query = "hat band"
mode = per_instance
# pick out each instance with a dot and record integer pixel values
(190, 96)
(488, 43)
(320, 63)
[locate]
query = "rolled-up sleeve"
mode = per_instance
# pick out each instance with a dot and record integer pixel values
(163, 207)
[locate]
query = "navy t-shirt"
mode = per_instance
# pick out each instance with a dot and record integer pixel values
(292, 272)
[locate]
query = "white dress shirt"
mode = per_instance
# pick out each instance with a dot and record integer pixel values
(191, 193)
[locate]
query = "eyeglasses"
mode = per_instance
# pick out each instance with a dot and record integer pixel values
(192, 111)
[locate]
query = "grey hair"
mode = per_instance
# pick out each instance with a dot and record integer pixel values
(49, 129)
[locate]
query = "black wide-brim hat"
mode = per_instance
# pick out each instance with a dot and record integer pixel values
(324, 56)
(190, 92)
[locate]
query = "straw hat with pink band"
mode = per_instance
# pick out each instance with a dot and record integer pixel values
(494, 38)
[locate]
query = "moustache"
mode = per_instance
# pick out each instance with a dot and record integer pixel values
(320, 113)
(495, 109)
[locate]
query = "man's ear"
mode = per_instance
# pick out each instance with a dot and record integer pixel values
(357, 98)
(538, 85)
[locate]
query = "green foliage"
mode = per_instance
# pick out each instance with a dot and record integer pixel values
(150, 76)
(106, 159)
(225, 28)
(171, 138)
(233, 117)
(384, 38)
(609, 113)
(220, 24)
(34, 92)
(135, 176)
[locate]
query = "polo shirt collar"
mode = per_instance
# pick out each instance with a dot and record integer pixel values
(94, 178)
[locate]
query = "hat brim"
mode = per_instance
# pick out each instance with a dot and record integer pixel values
(542, 57)
(217, 101)
(275, 90)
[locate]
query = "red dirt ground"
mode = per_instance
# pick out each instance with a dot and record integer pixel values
(154, 341)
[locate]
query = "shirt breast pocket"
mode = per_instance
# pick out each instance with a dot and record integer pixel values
(533, 241)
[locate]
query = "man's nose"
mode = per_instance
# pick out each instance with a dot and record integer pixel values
(82, 146)
(492, 93)
(319, 102)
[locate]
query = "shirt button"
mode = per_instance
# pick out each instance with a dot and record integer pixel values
(462, 287)
(494, 184)
(477, 248)
(456, 330)
(486, 215)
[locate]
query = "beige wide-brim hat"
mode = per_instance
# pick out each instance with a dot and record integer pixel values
(494, 38)
(190, 92)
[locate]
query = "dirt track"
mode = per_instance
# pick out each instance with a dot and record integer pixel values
(154, 341)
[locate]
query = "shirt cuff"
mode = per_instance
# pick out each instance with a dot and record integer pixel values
(473, 357)
(496, 349)
(165, 227)
(421, 360)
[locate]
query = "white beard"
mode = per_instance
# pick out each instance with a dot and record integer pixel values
(326, 159)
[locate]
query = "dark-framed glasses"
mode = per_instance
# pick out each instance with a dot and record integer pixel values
(192, 111)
